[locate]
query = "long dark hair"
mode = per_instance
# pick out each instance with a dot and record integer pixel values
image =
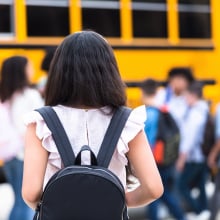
(13, 76)
(84, 72)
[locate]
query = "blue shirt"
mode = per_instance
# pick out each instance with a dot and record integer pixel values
(151, 124)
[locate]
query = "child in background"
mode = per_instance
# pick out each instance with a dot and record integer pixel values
(179, 78)
(17, 98)
(149, 91)
(214, 164)
(191, 162)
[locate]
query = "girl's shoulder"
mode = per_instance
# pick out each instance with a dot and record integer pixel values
(134, 124)
(28, 99)
(138, 114)
(135, 121)
(26, 94)
(31, 92)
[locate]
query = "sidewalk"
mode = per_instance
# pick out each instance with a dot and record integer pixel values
(6, 200)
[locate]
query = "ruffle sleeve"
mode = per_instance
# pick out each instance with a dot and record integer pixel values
(132, 127)
(44, 134)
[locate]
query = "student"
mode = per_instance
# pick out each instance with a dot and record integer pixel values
(179, 78)
(214, 164)
(17, 98)
(149, 90)
(191, 162)
(172, 97)
(84, 87)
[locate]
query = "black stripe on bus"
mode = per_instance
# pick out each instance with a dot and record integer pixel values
(136, 84)
(121, 47)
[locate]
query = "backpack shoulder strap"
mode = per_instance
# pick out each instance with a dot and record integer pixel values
(59, 135)
(112, 136)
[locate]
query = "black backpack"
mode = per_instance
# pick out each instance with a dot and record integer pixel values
(208, 135)
(83, 192)
(166, 149)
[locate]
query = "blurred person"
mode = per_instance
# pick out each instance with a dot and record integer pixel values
(17, 98)
(179, 78)
(191, 163)
(84, 87)
(172, 98)
(214, 164)
(45, 65)
(149, 90)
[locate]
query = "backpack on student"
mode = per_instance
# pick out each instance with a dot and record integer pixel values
(84, 192)
(208, 135)
(166, 149)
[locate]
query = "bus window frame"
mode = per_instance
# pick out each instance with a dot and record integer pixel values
(57, 3)
(46, 3)
(9, 35)
(197, 42)
(126, 40)
(195, 8)
(105, 5)
(150, 7)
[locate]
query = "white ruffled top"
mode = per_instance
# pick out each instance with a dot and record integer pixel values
(87, 127)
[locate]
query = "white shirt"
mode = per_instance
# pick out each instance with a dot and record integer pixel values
(16, 108)
(88, 127)
(21, 104)
(192, 131)
(177, 105)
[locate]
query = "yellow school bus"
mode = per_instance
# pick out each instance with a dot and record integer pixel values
(148, 36)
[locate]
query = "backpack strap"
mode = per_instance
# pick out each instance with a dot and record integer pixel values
(62, 142)
(59, 135)
(112, 136)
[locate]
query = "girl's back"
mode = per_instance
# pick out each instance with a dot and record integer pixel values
(88, 127)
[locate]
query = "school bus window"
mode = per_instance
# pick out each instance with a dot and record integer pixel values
(98, 1)
(102, 16)
(6, 19)
(47, 18)
(149, 19)
(202, 2)
(195, 19)
(148, 1)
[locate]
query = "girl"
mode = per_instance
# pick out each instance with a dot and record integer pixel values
(17, 98)
(84, 87)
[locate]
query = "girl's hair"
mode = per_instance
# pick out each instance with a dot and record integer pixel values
(13, 76)
(84, 72)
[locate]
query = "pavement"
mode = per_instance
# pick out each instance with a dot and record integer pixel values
(6, 201)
